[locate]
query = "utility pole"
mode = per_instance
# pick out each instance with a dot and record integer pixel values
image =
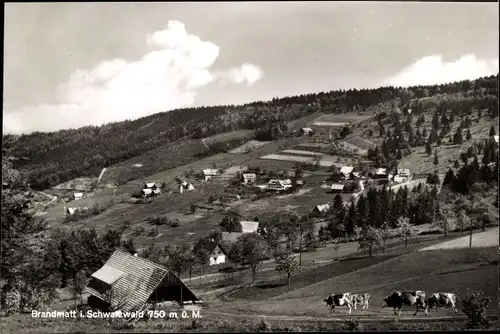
(470, 233)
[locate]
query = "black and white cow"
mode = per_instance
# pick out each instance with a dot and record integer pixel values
(344, 299)
(397, 299)
(362, 299)
(441, 299)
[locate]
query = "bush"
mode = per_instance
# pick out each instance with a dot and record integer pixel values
(263, 326)
(475, 305)
(352, 325)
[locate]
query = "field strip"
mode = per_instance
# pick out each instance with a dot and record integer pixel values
(284, 157)
(300, 152)
(482, 239)
(329, 123)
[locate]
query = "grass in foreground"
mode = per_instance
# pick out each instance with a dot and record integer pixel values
(26, 324)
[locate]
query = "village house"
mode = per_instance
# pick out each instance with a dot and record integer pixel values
(249, 178)
(77, 196)
(279, 185)
(495, 137)
(402, 175)
(217, 252)
(184, 185)
(336, 188)
(249, 226)
(306, 131)
(356, 145)
(151, 189)
(380, 173)
(345, 172)
(210, 173)
(321, 209)
(131, 283)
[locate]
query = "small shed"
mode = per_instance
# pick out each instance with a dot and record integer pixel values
(131, 283)
(321, 209)
(249, 226)
(249, 178)
(337, 188)
(307, 131)
(77, 196)
(346, 171)
(209, 173)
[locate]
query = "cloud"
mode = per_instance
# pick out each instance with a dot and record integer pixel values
(433, 70)
(166, 78)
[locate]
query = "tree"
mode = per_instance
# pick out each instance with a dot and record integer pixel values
(357, 232)
(336, 246)
(285, 262)
(78, 284)
(468, 135)
(475, 306)
(370, 237)
(385, 234)
(428, 148)
(457, 138)
(456, 164)
(310, 240)
(202, 259)
(436, 161)
(253, 250)
(231, 224)
(492, 131)
(463, 220)
(30, 258)
(324, 235)
(177, 258)
(406, 231)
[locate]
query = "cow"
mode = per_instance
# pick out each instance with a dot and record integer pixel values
(397, 299)
(361, 299)
(441, 299)
(344, 299)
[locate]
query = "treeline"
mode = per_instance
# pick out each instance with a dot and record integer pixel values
(51, 158)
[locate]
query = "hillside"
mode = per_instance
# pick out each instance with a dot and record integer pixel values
(52, 158)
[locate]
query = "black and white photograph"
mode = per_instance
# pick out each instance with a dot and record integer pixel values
(267, 166)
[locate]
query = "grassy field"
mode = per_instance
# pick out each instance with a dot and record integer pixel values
(431, 271)
(482, 239)
(212, 324)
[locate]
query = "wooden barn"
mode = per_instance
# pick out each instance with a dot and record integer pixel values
(131, 283)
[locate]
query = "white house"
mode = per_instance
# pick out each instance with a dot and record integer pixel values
(322, 208)
(279, 184)
(337, 187)
(402, 175)
(209, 173)
(249, 226)
(249, 178)
(77, 196)
(495, 137)
(346, 171)
(217, 253)
(381, 173)
(306, 131)
(184, 185)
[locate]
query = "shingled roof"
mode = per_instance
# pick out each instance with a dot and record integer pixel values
(134, 280)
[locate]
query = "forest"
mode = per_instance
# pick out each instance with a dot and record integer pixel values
(48, 159)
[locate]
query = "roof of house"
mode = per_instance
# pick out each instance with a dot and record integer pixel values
(249, 175)
(147, 191)
(210, 171)
(209, 246)
(496, 138)
(306, 129)
(360, 142)
(134, 279)
(404, 172)
(322, 207)
(249, 226)
(337, 186)
(381, 171)
(150, 185)
(346, 169)
(231, 236)
(78, 194)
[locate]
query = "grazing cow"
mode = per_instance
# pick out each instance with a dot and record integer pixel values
(361, 299)
(441, 299)
(344, 299)
(399, 298)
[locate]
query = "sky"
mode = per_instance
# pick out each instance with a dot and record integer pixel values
(68, 65)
